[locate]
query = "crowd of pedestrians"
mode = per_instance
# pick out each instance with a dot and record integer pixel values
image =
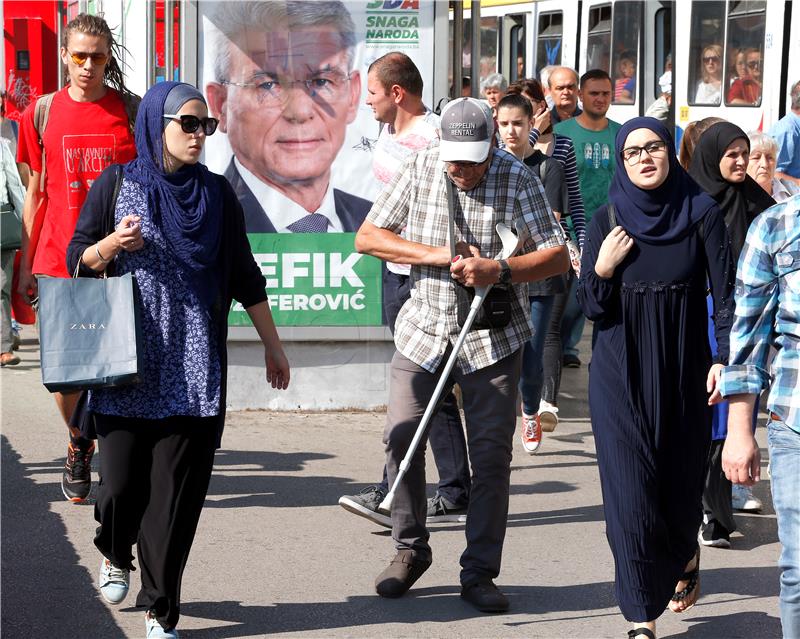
(615, 225)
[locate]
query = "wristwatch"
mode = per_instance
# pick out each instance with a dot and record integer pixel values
(505, 273)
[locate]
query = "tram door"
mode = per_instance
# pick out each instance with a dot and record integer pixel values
(657, 54)
(513, 62)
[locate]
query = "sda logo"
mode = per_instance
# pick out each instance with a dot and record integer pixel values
(390, 5)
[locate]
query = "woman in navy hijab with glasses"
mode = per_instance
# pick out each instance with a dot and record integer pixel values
(179, 229)
(646, 263)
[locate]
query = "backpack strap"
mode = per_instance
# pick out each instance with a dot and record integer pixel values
(41, 114)
(131, 102)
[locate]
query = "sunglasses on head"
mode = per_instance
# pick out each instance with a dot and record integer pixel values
(711, 58)
(190, 123)
(81, 58)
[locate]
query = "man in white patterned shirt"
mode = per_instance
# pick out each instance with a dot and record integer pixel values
(491, 186)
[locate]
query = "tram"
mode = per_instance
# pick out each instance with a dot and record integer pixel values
(650, 38)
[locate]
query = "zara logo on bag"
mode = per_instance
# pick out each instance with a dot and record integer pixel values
(87, 327)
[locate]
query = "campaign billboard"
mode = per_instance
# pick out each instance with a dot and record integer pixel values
(287, 81)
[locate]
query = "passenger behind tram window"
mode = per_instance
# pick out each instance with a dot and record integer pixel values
(747, 91)
(709, 88)
(737, 67)
(625, 85)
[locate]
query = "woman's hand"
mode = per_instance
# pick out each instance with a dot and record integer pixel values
(277, 368)
(712, 384)
(541, 120)
(128, 234)
(612, 251)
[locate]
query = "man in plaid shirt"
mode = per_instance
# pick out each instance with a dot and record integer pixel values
(768, 317)
(491, 187)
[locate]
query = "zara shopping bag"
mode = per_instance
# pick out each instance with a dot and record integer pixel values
(88, 332)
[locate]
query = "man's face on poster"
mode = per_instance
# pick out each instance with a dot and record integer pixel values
(286, 102)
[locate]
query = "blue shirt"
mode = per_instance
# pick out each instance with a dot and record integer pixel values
(768, 313)
(786, 132)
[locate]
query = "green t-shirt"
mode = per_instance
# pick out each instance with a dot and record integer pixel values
(594, 151)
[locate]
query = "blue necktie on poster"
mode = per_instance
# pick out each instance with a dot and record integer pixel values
(313, 223)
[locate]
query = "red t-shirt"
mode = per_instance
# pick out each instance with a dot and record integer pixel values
(80, 139)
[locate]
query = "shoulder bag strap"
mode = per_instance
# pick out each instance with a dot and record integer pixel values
(612, 216)
(41, 114)
(451, 206)
(109, 222)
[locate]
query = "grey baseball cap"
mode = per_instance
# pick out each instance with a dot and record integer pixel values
(467, 130)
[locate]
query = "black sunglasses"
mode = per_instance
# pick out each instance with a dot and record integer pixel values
(190, 123)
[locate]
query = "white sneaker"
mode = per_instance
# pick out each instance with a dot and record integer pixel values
(548, 416)
(744, 500)
(531, 433)
(155, 630)
(113, 582)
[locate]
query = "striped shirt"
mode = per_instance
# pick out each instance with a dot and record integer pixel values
(768, 313)
(417, 200)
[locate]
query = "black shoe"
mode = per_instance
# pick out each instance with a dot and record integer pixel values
(571, 361)
(441, 510)
(401, 574)
(367, 504)
(485, 596)
(76, 480)
(714, 534)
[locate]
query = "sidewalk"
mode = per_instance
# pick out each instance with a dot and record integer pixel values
(275, 555)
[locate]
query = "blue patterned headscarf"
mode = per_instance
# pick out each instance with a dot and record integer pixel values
(663, 214)
(185, 205)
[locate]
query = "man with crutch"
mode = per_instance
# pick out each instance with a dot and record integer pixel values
(487, 186)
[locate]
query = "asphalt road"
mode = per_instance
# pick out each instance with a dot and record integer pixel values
(276, 555)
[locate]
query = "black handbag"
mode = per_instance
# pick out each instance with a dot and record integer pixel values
(495, 312)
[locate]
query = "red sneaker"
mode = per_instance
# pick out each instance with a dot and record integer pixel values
(531, 433)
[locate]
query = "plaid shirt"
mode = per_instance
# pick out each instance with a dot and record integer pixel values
(417, 199)
(768, 313)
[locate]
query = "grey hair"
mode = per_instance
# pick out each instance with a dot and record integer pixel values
(544, 75)
(494, 81)
(762, 141)
(232, 19)
(795, 94)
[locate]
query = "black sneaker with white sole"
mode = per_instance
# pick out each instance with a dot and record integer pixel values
(714, 534)
(441, 510)
(367, 504)
(76, 480)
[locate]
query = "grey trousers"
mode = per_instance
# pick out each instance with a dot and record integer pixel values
(489, 397)
(7, 266)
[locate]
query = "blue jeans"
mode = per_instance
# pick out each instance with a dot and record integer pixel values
(573, 321)
(532, 379)
(784, 460)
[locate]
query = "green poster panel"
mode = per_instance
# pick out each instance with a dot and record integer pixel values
(315, 279)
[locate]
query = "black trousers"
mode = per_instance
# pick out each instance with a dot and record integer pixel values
(154, 477)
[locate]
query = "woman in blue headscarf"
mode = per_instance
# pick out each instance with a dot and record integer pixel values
(179, 229)
(646, 262)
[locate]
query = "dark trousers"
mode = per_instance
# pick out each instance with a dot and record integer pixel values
(717, 489)
(489, 396)
(553, 348)
(154, 477)
(446, 434)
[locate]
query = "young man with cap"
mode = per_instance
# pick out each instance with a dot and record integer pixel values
(488, 186)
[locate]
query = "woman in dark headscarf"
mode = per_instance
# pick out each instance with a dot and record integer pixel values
(643, 283)
(719, 166)
(179, 229)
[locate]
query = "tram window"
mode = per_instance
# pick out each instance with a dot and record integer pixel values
(549, 40)
(745, 46)
(627, 18)
(705, 53)
(598, 42)
(662, 53)
(516, 37)
(488, 61)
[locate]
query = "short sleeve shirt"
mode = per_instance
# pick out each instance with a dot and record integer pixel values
(417, 200)
(597, 161)
(80, 140)
(786, 132)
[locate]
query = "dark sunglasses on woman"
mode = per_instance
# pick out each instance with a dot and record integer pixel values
(190, 123)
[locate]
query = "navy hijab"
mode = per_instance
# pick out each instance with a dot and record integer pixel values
(662, 215)
(185, 205)
(739, 202)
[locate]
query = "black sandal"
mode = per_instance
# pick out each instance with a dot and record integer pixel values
(692, 577)
(641, 632)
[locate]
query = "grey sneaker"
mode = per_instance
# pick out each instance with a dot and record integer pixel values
(742, 498)
(441, 510)
(113, 582)
(366, 504)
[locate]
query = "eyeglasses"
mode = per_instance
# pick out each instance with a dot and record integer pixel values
(190, 123)
(755, 64)
(80, 58)
(273, 90)
(711, 58)
(633, 154)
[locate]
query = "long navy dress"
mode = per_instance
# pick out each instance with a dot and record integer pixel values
(648, 400)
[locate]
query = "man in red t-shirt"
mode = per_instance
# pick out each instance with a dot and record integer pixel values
(87, 129)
